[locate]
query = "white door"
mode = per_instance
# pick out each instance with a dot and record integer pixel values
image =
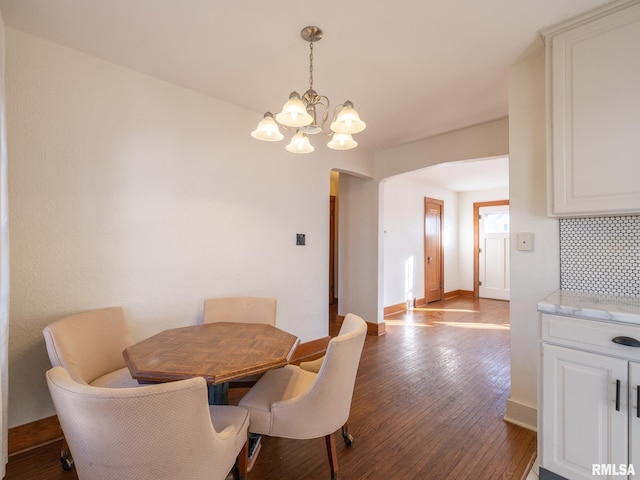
(493, 258)
(584, 412)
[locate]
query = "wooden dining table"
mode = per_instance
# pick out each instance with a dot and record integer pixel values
(218, 352)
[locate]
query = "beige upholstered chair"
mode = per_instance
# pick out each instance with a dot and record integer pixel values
(291, 402)
(240, 309)
(314, 366)
(89, 346)
(166, 431)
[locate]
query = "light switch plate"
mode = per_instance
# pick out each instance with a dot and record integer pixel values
(525, 241)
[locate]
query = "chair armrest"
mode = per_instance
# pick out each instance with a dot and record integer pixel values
(310, 350)
(312, 366)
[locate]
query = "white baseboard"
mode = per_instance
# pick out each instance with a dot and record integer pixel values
(522, 415)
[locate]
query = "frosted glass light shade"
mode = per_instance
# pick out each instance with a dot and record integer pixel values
(342, 141)
(348, 120)
(294, 113)
(267, 130)
(300, 144)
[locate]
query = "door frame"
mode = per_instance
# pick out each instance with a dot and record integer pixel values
(428, 200)
(476, 241)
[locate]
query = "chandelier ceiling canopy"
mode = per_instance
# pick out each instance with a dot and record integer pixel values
(309, 114)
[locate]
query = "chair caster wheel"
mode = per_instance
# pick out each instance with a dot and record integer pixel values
(67, 461)
(348, 439)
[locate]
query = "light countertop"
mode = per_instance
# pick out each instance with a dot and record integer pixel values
(592, 306)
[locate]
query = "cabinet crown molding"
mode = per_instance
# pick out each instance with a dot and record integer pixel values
(586, 17)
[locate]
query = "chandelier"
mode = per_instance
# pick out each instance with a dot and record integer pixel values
(308, 115)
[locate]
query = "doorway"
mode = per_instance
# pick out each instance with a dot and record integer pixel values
(333, 300)
(491, 250)
(433, 250)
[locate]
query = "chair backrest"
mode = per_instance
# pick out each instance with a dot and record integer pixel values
(325, 406)
(154, 432)
(88, 344)
(240, 310)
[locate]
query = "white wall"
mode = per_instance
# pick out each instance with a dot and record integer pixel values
(485, 140)
(126, 190)
(403, 233)
(537, 273)
(403, 226)
(4, 266)
(359, 252)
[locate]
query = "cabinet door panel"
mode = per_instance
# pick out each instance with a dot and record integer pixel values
(634, 415)
(595, 73)
(580, 422)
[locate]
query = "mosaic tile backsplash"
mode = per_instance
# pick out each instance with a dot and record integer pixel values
(600, 255)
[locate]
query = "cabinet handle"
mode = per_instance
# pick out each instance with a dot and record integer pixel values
(638, 401)
(628, 341)
(617, 395)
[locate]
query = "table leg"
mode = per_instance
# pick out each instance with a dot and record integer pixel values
(219, 394)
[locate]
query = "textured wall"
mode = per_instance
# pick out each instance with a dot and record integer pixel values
(126, 190)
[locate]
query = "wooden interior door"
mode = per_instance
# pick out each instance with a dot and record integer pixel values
(332, 250)
(433, 251)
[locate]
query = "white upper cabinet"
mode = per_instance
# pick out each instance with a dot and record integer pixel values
(593, 112)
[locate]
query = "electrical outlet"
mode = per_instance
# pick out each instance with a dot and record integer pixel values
(300, 240)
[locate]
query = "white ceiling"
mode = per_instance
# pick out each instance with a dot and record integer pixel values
(466, 176)
(413, 68)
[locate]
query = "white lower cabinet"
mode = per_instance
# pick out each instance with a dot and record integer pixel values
(582, 426)
(590, 422)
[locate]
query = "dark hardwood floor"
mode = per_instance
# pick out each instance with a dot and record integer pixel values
(428, 404)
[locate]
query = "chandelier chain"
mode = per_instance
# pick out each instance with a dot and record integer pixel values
(311, 66)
